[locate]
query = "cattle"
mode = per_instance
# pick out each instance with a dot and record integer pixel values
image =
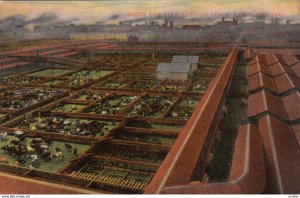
(68, 147)
(3, 160)
(58, 155)
(3, 136)
(75, 151)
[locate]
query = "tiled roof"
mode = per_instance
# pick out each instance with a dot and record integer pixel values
(248, 53)
(292, 105)
(259, 67)
(284, 83)
(296, 69)
(271, 58)
(281, 141)
(297, 133)
(277, 69)
(289, 60)
(282, 156)
(290, 71)
(247, 174)
(278, 50)
(259, 59)
(260, 80)
(253, 82)
(256, 104)
(265, 102)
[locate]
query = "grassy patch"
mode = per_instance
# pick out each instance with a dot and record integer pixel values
(167, 127)
(94, 74)
(50, 72)
(52, 82)
(2, 115)
(51, 166)
(69, 108)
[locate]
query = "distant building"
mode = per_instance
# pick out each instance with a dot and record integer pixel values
(225, 24)
(193, 60)
(99, 36)
(168, 24)
(173, 71)
(275, 21)
(133, 38)
(191, 27)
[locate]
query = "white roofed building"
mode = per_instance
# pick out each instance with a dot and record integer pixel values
(193, 60)
(173, 71)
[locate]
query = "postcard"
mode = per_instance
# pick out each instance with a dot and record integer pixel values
(103, 97)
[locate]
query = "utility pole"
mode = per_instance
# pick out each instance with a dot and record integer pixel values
(51, 72)
(153, 55)
(3, 55)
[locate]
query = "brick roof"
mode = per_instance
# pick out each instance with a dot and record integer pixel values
(259, 59)
(260, 80)
(282, 156)
(271, 58)
(281, 141)
(259, 67)
(278, 50)
(289, 60)
(292, 105)
(290, 71)
(277, 69)
(297, 133)
(284, 83)
(265, 102)
(248, 53)
(296, 69)
(247, 174)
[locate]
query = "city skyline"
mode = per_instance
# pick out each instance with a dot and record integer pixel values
(112, 12)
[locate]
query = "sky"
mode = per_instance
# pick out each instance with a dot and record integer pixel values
(115, 10)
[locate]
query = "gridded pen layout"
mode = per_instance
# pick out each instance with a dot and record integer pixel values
(116, 105)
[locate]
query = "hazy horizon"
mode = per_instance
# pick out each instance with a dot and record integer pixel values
(112, 12)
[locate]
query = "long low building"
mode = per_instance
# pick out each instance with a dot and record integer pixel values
(173, 71)
(193, 60)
